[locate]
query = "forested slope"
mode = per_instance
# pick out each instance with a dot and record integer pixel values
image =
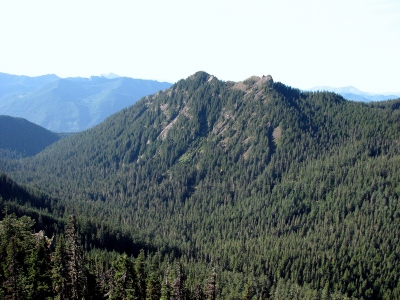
(21, 138)
(275, 188)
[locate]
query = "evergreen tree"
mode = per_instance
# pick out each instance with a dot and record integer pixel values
(153, 282)
(13, 271)
(247, 292)
(60, 271)
(166, 290)
(211, 290)
(76, 283)
(123, 280)
(16, 242)
(39, 269)
(178, 286)
(199, 293)
(140, 275)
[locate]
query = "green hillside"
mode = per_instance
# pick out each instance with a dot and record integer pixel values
(19, 137)
(284, 192)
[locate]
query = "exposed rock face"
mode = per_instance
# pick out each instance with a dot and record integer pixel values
(267, 78)
(253, 81)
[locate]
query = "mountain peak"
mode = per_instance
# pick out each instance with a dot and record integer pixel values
(267, 78)
(110, 76)
(253, 81)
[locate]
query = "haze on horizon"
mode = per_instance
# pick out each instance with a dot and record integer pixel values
(302, 44)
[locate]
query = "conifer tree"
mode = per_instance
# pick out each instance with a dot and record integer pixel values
(123, 280)
(13, 272)
(211, 286)
(140, 275)
(153, 283)
(166, 290)
(178, 286)
(75, 261)
(247, 292)
(16, 241)
(199, 293)
(39, 275)
(60, 271)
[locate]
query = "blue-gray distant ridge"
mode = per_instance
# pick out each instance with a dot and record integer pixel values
(71, 104)
(354, 94)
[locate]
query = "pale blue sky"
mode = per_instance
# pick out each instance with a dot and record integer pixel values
(300, 43)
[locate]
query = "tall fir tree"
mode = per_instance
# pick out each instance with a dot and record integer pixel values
(140, 275)
(39, 269)
(60, 270)
(211, 290)
(16, 242)
(166, 290)
(178, 286)
(123, 280)
(153, 282)
(77, 281)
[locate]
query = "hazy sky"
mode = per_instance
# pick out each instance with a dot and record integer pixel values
(300, 43)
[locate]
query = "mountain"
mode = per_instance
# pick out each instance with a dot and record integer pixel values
(110, 75)
(13, 85)
(282, 191)
(19, 137)
(354, 94)
(70, 104)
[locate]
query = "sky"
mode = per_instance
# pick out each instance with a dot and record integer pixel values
(300, 43)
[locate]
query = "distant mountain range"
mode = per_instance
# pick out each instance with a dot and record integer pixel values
(21, 138)
(354, 94)
(71, 104)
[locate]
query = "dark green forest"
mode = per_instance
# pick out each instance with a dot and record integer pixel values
(247, 190)
(21, 138)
